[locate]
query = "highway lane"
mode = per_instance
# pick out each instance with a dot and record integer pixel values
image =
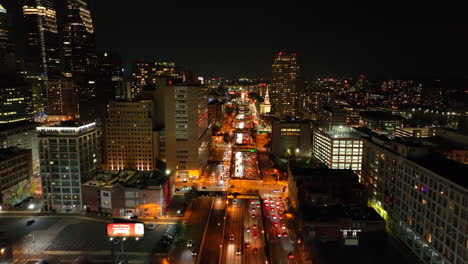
(234, 228)
(194, 231)
(211, 250)
(255, 226)
(281, 246)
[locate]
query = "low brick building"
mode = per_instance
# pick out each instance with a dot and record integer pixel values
(128, 192)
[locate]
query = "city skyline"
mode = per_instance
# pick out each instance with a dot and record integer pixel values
(392, 42)
(135, 132)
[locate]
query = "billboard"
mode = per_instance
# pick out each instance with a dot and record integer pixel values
(126, 230)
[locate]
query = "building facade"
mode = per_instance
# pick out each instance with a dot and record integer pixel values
(131, 140)
(339, 148)
(187, 135)
(21, 135)
(79, 45)
(62, 98)
(284, 94)
(15, 169)
(422, 196)
(15, 100)
(145, 194)
(291, 137)
(7, 55)
(69, 153)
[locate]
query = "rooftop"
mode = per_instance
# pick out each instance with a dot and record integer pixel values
(343, 132)
(330, 213)
(381, 115)
(128, 178)
(66, 128)
(445, 167)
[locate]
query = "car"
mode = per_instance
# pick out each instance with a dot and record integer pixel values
(231, 237)
(280, 216)
(290, 255)
(252, 201)
(255, 251)
(189, 243)
(254, 235)
(285, 234)
(30, 222)
(272, 208)
(266, 205)
(253, 215)
(273, 216)
(283, 226)
(238, 252)
(258, 206)
(278, 234)
(265, 201)
(151, 226)
(275, 224)
(194, 252)
(234, 200)
(253, 209)
(258, 216)
(247, 229)
(254, 226)
(247, 245)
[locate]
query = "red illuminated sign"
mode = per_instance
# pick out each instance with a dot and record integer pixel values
(126, 230)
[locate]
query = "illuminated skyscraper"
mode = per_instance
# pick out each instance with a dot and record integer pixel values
(42, 48)
(7, 58)
(79, 43)
(42, 40)
(284, 94)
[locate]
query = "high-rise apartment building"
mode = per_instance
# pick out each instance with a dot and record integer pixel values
(79, 43)
(284, 94)
(422, 196)
(187, 136)
(182, 117)
(131, 140)
(69, 153)
(339, 148)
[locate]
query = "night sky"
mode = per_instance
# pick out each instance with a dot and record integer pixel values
(240, 38)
